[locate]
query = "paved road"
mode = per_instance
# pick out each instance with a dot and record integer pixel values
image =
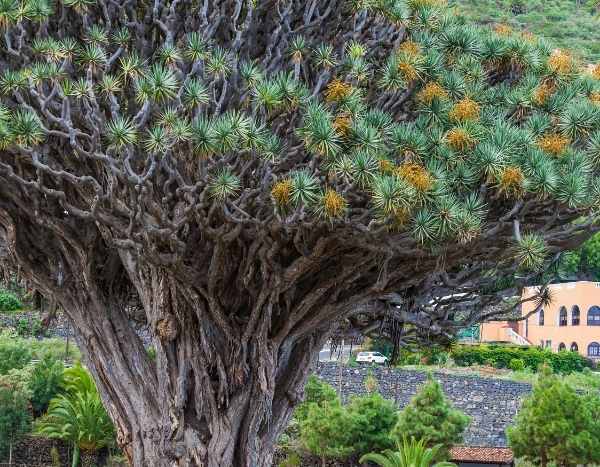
(325, 354)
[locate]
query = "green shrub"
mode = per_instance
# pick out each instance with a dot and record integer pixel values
(317, 392)
(292, 460)
(408, 357)
(500, 356)
(325, 431)
(557, 425)
(372, 419)
(15, 418)
(23, 328)
(9, 301)
(429, 416)
(45, 383)
(516, 364)
(14, 354)
(331, 431)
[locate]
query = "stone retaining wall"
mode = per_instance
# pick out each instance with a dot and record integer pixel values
(491, 403)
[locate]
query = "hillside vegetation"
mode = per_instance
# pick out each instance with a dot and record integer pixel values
(572, 24)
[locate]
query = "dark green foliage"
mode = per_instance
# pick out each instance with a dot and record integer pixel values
(381, 345)
(15, 418)
(45, 383)
(500, 356)
(372, 419)
(429, 355)
(9, 301)
(555, 424)
(325, 431)
(516, 364)
(330, 430)
(430, 416)
(77, 414)
(14, 354)
(411, 453)
(315, 392)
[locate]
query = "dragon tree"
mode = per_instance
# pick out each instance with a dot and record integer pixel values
(247, 177)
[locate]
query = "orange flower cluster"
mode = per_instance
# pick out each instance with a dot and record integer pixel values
(282, 192)
(561, 62)
(464, 110)
(543, 92)
(400, 218)
(596, 71)
(410, 48)
(386, 166)
(431, 91)
(416, 175)
(408, 71)
(334, 203)
(595, 97)
(337, 90)
(503, 30)
(553, 143)
(342, 124)
(511, 181)
(459, 139)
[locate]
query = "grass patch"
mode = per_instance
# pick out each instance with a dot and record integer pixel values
(566, 23)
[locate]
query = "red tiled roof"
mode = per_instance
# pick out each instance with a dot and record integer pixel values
(479, 454)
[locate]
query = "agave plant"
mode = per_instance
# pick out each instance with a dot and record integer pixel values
(411, 453)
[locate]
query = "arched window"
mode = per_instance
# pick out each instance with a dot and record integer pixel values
(562, 316)
(593, 317)
(574, 347)
(562, 346)
(541, 318)
(575, 316)
(594, 349)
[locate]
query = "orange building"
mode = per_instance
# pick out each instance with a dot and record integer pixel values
(570, 322)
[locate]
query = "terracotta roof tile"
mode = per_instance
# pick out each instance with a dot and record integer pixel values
(481, 454)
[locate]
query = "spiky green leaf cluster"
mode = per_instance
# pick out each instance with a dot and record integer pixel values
(416, 134)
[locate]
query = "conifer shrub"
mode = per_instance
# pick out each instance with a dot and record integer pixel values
(557, 425)
(429, 416)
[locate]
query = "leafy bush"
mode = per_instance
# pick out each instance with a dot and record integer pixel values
(516, 364)
(15, 418)
(14, 354)
(332, 431)
(557, 425)
(29, 327)
(45, 383)
(325, 431)
(500, 356)
(315, 392)
(9, 301)
(372, 419)
(430, 416)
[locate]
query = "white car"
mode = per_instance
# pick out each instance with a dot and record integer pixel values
(371, 357)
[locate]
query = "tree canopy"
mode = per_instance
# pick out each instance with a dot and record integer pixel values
(247, 176)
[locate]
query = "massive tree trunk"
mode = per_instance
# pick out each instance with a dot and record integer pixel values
(208, 399)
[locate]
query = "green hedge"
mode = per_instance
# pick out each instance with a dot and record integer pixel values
(500, 356)
(9, 301)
